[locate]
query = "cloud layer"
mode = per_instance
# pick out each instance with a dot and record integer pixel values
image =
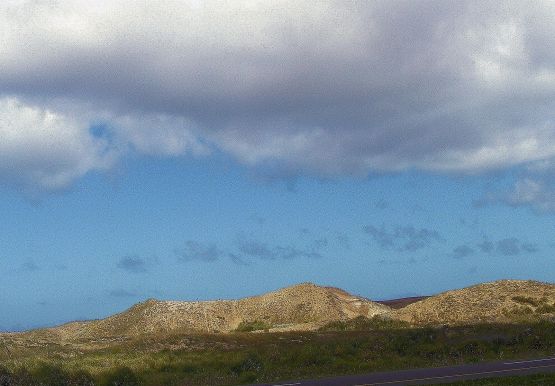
(132, 264)
(43, 149)
(329, 88)
(403, 238)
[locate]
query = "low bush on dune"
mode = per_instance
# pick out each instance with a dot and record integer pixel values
(362, 323)
(255, 325)
(122, 376)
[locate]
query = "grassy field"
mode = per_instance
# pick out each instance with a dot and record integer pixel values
(241, 358)
(529, 380)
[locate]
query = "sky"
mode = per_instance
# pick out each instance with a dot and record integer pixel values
(195, 150)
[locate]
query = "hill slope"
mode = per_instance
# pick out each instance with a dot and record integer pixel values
(298, 307)
(500, 301)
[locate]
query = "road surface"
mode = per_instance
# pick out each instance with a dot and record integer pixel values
(433, 375)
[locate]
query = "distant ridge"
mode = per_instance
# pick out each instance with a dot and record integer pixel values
(308, 306)
(499, 301)
(401, 302)
(303, 306)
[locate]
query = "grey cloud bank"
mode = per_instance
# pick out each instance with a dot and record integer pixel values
(534, 192)
(260, 250)
(121, 293)
(327, 88)
(510, 246)
(194, 250)
(403, 238)
(133, 264)
(462, 251)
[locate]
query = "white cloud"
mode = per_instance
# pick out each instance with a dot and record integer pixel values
(532, 193)
(157, 134)
(310, 87)
(43, 149)
(535, 193)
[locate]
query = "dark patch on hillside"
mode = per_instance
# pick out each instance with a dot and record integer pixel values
(402, 302)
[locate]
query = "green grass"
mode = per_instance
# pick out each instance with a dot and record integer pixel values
(360, 323)
(241, 358)
(528, 380)
(256, 325)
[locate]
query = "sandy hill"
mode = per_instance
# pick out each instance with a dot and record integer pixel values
(303, 306)
(500, 301)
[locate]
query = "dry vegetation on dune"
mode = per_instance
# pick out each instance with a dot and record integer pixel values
(301, 307)
(306, 307)
(501, 301)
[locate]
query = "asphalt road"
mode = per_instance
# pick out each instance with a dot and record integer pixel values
(433, 375)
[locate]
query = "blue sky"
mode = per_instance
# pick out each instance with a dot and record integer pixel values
(200, 150)
(110, 241)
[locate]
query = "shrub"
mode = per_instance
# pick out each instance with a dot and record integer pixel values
(6, 378)
(522, 310)
(81, 378)
(250, 364)
(22, 377)
(122, 376)
(362, 323)
(50, 375)
(248, 369)
(255, 325)
(526, 300)
(545, 309)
